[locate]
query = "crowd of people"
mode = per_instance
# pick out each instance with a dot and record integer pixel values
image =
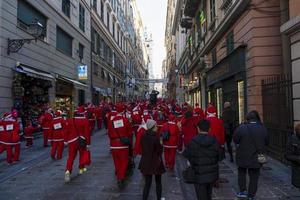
(153, 131)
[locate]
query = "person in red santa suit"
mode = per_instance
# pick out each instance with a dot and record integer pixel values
(5, 140)
(170, 134)
(46, 122)
(12, 129)
(28, 132)
(198, 112)
(216, 126)
(146, 115)
(82, 128)
(57, 136)
(98, 113)
(91, 116)
(178, 118)
(137, 146)
(72, 141)
(120, 134)
(136, 119)
(188, 126)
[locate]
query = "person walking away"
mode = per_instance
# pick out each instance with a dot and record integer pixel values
(170, 133)
(12, 128)
(57, 135)
(251, 139)
(198, 112)
(151, 162)
(204, 153)
(29, 129)
(292, 154)
(188, 126)
(120, 134)
(82, 126)
(46, 121)
(229, 119)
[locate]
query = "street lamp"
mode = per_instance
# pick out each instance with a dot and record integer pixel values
(35, 29)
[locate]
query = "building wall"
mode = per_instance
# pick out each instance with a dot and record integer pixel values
(42, 55)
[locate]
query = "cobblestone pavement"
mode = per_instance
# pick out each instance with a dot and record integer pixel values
(274, 183)
(37, 177)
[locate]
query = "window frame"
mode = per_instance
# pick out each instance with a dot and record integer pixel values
(66, 9)
(57, 42)
(81, 17)
(81, 52)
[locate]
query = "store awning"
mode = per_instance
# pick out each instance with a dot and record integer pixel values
(34, 72)
(76, 83)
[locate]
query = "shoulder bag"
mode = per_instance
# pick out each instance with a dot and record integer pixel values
(123, 140)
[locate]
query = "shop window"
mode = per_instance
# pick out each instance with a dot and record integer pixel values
(80, 52)
(230, 42)
(81, 97)
(27, 14)
(241, 100)
(81, 17)
(214, 57)
(66, 5)
(63, 41)
(219, 101)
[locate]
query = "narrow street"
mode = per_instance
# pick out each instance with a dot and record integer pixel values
(36, 176)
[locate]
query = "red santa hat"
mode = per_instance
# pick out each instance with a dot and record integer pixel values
(80, 110)
(171, 117)
(211, 111)
(58, 113)
(120, 107)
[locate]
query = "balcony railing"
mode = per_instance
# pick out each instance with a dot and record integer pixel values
(226, 5)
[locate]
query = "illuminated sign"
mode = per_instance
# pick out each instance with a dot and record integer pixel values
(82, 72)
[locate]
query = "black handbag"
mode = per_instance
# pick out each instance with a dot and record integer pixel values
(189, 175)
(124, 140)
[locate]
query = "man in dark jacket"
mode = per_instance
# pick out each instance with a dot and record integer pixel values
(228, 117)
(293, 155)
(203, 153)
(251, 139)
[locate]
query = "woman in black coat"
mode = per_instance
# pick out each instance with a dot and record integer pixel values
(251, 139)
(151, 162)
(293, 155)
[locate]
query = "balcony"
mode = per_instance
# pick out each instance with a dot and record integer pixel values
(191, 7)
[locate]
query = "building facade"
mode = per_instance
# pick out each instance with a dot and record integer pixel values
(230, 47)
(55, 68)
(291, 29)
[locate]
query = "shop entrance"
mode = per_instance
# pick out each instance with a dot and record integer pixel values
(64, 97)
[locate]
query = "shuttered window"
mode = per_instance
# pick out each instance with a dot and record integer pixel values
(81, 18)
(27, 14)
(63, 41)
(66, 5)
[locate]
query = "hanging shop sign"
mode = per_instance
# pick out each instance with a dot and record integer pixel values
(82, 72)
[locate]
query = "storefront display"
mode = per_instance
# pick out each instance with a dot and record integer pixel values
(30, 95)
(64, 97)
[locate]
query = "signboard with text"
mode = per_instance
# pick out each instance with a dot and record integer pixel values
(82, 72)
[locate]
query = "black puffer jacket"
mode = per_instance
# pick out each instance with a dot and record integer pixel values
(204, 153)
(292, 154)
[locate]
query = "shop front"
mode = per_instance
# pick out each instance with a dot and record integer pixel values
(226, 82)
(66, 90)
(30, 90)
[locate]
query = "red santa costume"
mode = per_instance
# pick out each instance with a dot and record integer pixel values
(98, 113)
(216, 125)
(28, 133)
(136, 119)
(46, 123)
(120, 129)
(146, 115)
(5, 141)
(198, 112)
(57, 136)
(137, 146)
(188, 127)
(12, 130)
(170, 145)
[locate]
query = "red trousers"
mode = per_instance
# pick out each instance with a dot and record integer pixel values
(46, 133)
(73, 150)
(16, 152)
(121, 159)
(7, 148)
(99, 123)
(57, 149)
(170, 154)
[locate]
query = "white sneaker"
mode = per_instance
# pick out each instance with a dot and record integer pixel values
(67, 176)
